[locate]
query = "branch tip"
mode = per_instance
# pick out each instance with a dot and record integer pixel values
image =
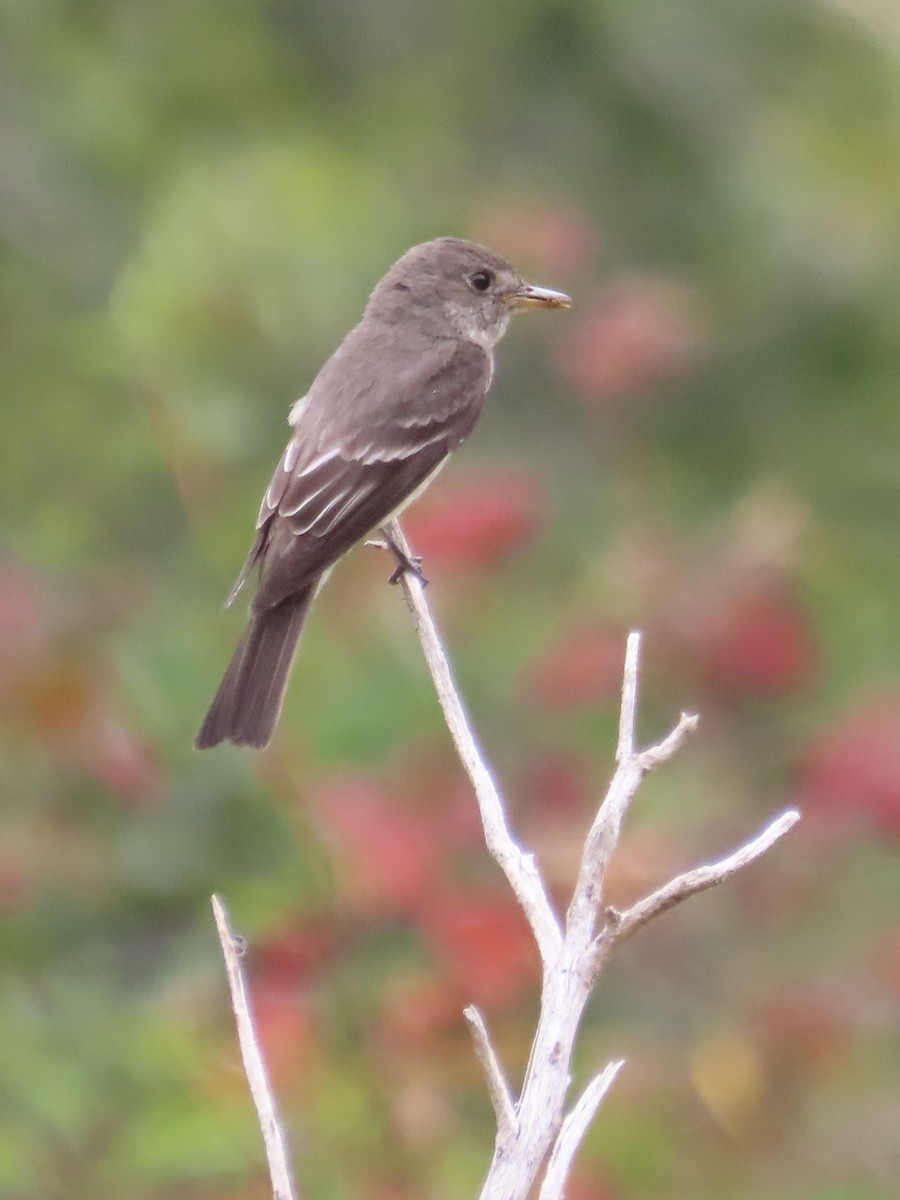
(498, 1089)
(573, 1130)
(233, 949)
(703, 877)
(663, 751)
(628, 709)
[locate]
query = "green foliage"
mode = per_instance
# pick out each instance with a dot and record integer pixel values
(194, 202)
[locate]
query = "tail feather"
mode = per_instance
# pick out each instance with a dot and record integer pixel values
(246, 706)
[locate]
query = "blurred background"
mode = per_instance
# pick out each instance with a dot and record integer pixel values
(195, 199)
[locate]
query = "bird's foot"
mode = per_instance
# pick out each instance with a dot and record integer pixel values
(411, 563)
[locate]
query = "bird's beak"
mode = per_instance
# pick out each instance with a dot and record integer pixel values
(528, 295)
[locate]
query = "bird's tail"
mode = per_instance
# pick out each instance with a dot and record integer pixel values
(246, 706)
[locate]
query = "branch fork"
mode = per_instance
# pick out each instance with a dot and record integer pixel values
(535, 1132)
(543, 1134)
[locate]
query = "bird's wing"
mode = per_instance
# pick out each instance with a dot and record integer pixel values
(351, 466)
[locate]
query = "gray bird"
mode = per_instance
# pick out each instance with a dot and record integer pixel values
(403, 390)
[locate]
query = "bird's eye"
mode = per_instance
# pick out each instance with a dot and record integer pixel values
(480, 281)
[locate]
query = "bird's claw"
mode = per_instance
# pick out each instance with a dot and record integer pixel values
(411, 563)
(407, 562)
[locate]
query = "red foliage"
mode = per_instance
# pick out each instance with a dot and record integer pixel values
(759, 642)
(476, 519)
(287, 1033)
(559, 782)
(582, 667)
(851, 772)
(436, 781)
(294, 952)
(389, 851)
(559, 798)
(482, 941)
(639, 333)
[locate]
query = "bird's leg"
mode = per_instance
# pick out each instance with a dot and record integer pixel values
(405, 562)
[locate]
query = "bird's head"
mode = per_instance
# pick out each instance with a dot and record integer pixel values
(451, 287)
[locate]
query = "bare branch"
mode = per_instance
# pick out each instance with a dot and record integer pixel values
(699, 879)
(631, 767)
(254, 1065)
(498, 1088)
(628, 709)
(663, 751)
(571, 960)
(518, 866)
(573, 1130)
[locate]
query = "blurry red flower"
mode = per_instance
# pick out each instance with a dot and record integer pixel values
(293, 952)
(639, 333)
(436, 781)
(286, 1031)
(851, 772)
(582, 667)
(559, 798)
(388, 852)
(475, 519)
(482, 941)
(759, 642)
(560, 782)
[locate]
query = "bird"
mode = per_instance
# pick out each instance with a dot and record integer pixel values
(403, 390)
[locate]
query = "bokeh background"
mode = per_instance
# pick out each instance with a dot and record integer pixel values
(195, 199)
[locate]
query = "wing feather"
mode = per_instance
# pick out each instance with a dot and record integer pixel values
(355, 458)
